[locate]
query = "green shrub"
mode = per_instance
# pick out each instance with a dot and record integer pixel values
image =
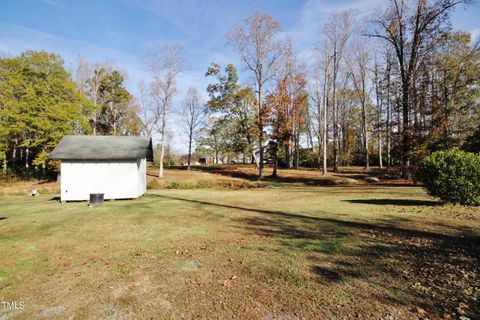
(453, 176)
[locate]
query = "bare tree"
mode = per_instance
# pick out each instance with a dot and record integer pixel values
(359, 68)
(291, 73)
(411, 28)
(257, 44)
(88, 78)
(379, 100)
(316, 111)
(164, 64)
(149, 113)
(319, 96)
(191, 112)
(389, 115)
(82, 74)
(325, 110)
(337, 32)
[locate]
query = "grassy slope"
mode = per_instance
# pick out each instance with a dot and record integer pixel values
(313, 252)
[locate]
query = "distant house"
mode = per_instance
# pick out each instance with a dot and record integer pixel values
(114, 166)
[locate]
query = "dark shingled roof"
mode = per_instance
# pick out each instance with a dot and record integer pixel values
(103, 148)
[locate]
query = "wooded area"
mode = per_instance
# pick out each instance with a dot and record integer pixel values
(386, 91)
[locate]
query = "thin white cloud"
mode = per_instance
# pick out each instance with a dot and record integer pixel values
(53, 3)
(313, 7)
(15, 39)
(201, 19)
(315, 13)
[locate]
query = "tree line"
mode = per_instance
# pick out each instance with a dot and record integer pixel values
(385, 91)
(40, 103)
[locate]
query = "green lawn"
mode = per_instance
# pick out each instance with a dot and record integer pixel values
(277, 253)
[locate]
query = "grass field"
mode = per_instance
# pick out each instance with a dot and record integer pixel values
(286, 252)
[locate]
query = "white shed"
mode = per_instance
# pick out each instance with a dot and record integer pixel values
(114, 166)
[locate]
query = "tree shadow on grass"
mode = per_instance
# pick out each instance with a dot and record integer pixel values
(396, 202)
(328, 274)
(432, 270)
(464, 236)
(416, 268)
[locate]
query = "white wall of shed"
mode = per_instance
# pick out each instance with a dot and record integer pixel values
(142, 176)
(116, 179)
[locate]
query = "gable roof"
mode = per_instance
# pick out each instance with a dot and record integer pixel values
(103, 148)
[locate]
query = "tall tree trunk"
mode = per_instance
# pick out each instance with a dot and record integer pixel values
(380, 151)
(94, 126)
(189, 150)
(291, 149)
(162, 149)
(287, 154)
(260, 128)
(319, 152)
(405, 133)
(297, 150)
(389, 119)
(325, 105)
(379, 117)
(26, 157)
(14, 152)
(319, 134)
(365, 134)
(367, 157)
(254, 159)
(335, 116)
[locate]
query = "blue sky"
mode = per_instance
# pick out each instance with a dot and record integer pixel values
(121, 31)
